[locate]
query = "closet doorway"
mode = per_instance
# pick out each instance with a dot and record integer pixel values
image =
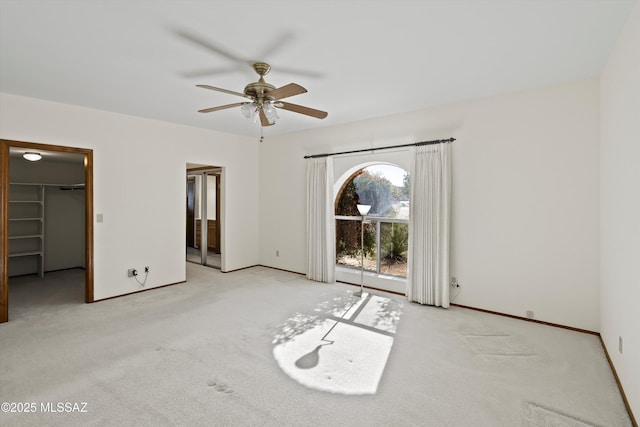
(46, 211)
(203, 213)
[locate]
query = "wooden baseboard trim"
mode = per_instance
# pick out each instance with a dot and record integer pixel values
(337, 281)
(555, 325)
(282, 269)
(46, 272)
(240, 269)
(371, 287)
(65, 269)
(138, 291)
(615, 375)
(264, 266)
(17, 276)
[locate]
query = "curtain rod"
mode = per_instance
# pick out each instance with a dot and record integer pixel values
(364, 150)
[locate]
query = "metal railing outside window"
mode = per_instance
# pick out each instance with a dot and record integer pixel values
(385, 244)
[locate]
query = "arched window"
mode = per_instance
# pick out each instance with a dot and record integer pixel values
(385, 188)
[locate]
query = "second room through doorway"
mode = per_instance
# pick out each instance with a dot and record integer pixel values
(203, 215)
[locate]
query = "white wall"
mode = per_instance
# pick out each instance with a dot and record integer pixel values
(64, 229)
(620, 207)
(139, 186)
(525, 220)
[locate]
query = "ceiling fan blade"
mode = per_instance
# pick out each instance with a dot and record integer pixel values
(276, 44)
(286, 91)
(302, 110)
(231, 92)
(263, 119)
(209, 45)
(299, 72)
(222, 107)
(205, 72)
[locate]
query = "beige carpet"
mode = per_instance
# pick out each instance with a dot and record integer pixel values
(262, 347)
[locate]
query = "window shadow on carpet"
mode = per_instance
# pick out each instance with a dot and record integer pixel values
(342, 347)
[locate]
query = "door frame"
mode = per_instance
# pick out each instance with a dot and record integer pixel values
(5, 146)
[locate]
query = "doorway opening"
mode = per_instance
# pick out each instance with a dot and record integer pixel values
(46, 211)
(204, 226)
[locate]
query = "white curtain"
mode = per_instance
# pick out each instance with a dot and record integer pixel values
(321, 234)
(429, 225)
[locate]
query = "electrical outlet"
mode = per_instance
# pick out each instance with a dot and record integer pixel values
(277, 253)
(620, 344)
(454, 283)
(530, 314)
(132, 272)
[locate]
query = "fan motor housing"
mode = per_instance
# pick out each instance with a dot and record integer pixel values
(259, 89)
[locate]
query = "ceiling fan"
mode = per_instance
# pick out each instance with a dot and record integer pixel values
(263, 97)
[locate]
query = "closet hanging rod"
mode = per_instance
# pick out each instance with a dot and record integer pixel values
(364, 150)
(46, 185)
(72, 187)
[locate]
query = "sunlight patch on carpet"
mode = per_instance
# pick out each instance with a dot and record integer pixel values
(342, 347)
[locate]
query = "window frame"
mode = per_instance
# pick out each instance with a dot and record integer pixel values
(374, 219)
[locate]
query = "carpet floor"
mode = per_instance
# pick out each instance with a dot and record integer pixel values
(263, 347)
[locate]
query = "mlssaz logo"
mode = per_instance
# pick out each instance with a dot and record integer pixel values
(67, 407)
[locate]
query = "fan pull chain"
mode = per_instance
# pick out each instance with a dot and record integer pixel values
(261, 135)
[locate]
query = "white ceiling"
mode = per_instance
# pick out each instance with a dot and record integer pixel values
(358, 59)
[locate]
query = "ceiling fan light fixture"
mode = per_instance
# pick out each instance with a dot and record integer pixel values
(248, 110)
(270, 113)
(32, 157)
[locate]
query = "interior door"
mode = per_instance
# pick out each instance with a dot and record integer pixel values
(194, 219)
(191, 200)
(217, 220)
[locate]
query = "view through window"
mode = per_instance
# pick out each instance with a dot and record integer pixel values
(386, 231)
